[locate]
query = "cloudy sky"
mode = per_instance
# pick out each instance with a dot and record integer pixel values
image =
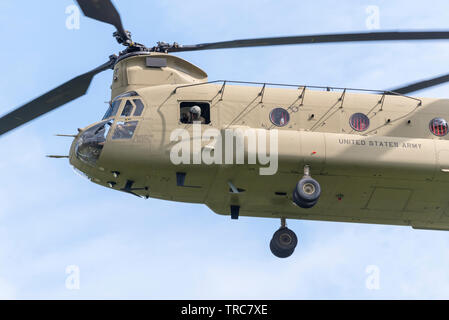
(124, 247)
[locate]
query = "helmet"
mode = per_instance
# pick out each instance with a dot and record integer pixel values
(195, 110)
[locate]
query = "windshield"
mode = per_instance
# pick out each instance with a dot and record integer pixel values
(136, 105)
(124, 130)
(112, 110)
(91, 142)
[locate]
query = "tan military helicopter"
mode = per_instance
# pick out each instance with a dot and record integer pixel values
(170, 133)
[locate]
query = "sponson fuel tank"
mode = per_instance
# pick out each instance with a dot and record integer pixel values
(390, 157)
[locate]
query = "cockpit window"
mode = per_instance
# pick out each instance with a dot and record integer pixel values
(139, 107)
(114, 106)
(124, 130)
(127, 109)
(108, 112)
(136, 105)
(91, 142)
(112, 110)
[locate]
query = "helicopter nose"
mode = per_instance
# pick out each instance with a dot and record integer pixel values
(90, 143)
(88, 150)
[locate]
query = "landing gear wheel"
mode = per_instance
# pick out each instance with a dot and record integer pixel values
(280, 253)
(308, 189)
(283, 243)
(307, 192)
(303, 204)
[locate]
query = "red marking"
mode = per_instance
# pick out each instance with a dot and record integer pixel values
(313, 152)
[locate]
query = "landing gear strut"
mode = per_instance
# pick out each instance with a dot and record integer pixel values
(284, 241)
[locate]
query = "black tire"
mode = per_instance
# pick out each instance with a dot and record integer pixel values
(302, 203)
(278, 252)
(285, 239)
(306, 205)
(307, 190)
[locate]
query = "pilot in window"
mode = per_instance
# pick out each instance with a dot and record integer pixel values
(195, 115)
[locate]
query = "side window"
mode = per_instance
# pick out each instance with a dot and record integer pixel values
(127, 109)
(115, 106)
(191, 111)
(124, 130)
(139, 107)
(112, 110)
(117, 101)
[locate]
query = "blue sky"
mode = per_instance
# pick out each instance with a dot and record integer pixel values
(126, 247)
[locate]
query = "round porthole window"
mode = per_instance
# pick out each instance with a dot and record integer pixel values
(439, 127)
(279, 117)
(359, 122)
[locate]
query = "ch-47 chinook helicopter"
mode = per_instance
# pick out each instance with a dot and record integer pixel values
(347, 155)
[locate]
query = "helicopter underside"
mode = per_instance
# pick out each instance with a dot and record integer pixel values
(344, 197)
(347, 198)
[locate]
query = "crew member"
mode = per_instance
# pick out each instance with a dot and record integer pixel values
(195, 115)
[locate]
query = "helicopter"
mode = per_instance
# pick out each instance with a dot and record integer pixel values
(284, 151)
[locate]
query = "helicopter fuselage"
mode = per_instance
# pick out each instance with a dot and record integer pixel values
(393, 172)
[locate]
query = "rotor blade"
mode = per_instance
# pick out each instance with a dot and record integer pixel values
(421, 84)
(104, 11)
(312, 39)
(53, 99)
